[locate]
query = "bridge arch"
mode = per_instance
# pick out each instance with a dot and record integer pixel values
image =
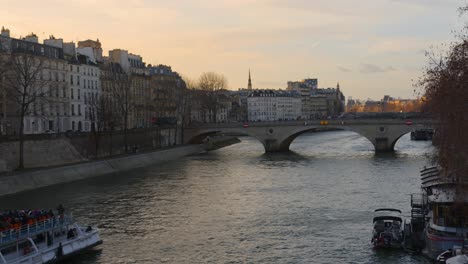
(286, 143)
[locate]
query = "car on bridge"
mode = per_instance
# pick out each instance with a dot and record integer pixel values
(245, 125)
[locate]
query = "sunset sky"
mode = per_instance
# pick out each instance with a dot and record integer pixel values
(372, 47)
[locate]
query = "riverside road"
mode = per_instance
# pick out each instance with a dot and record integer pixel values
(240, 205)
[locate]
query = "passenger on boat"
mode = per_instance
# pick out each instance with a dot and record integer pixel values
(71, 233)
(14, 219)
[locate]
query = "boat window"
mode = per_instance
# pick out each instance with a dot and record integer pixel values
(450, 215)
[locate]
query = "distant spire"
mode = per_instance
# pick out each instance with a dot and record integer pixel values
(338, 85)
(249, 86)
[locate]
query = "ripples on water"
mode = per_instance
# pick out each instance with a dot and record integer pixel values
(238, 205)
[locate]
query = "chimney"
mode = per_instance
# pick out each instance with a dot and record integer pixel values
(32, 38)
(5, 32)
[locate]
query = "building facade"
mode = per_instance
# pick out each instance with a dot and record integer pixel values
(273, 105)
(84, 77)
(48, 93)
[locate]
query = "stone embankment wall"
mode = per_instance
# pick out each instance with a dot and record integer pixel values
(39, 153)
(24, 181)
(59, 149)
(111, 144)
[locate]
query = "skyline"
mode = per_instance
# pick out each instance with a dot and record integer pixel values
(368, 51)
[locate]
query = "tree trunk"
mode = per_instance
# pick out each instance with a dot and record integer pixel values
(21, 142)
(125, 132)
(97, 139)
(111, 145)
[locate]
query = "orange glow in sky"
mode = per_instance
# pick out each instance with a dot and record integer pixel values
(372, 47)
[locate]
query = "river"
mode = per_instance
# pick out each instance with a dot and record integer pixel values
(239, 205)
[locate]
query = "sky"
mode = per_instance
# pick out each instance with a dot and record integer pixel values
(371, 47)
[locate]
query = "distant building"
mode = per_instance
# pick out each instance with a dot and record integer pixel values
(273, 105)
(386, 104)
(335, 99)
(318, 102)
(304, 87)
(129, 62)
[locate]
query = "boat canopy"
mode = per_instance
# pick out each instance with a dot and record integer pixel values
(387, 209)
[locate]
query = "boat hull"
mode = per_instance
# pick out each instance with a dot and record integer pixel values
(63, 250)
(436, 244)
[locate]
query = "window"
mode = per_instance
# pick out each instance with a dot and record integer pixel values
(78, 68)
(73, 109)
(79, 109)
(71, 93)
(64, 91)
(78, 79)
(71, 79)
(79, 94)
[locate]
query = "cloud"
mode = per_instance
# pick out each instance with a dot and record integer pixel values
(344, 69)
(372, 68)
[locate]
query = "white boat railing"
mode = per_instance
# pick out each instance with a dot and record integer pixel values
(28, 230)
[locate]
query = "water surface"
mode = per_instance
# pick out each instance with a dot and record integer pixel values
(239, 205)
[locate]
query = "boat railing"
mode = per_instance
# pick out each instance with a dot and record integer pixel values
(28, 230)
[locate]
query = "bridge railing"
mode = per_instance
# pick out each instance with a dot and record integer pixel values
(337, 121)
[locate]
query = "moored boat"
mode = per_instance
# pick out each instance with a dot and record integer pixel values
(422, 134)
(446, 226)
(388, 228)
(48, 238)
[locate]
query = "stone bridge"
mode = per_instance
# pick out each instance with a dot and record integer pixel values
(277, 136)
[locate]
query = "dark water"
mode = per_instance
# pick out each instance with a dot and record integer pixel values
(238, 205)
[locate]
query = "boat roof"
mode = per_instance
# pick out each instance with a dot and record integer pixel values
(387, 209)
(387, 214)
(387, 217)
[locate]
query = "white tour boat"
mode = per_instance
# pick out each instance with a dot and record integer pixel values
(46, 241)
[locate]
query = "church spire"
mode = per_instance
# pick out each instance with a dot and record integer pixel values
(249, 86)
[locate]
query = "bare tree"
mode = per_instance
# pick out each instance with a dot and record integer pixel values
(211, 83)
(445, 83)
(187, 101)
(3, 70)
(101, 114)
(117, 88)
(25, 87)
(124, 97)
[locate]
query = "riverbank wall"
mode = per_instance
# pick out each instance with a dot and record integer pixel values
(29, 180)
(45, 150)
